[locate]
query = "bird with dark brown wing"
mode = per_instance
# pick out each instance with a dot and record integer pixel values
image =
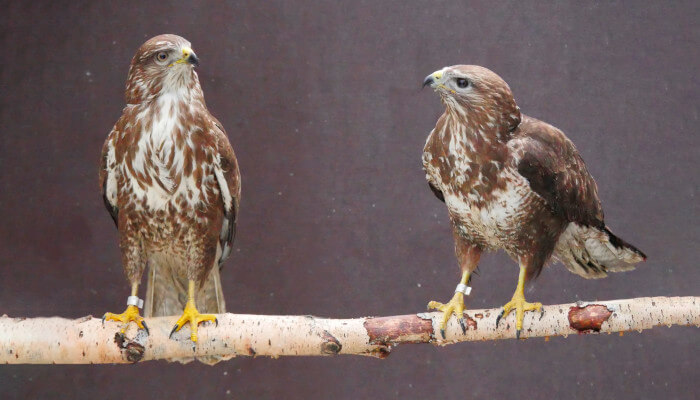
(170, 181)
(515, 183)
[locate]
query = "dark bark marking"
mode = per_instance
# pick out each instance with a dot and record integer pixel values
(131, 350)
(252, 352)
(330, 345)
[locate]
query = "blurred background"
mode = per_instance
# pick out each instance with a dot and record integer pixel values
(323, 106)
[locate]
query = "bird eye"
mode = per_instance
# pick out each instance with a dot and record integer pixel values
(162, 56)
(462, 83)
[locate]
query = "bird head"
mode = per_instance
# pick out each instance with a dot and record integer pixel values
(164, 63)
(476, 91)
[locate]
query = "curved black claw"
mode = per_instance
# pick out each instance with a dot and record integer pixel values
(541, 313)
(498, 319)
(443, 333)
(216, 321)
(517, 334)
(103, 319)
(145, 327)
(173, 331)
(464, 327)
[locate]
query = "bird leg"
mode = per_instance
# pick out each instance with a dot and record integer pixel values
(130, 314)
(519, 304)
(454, 306)
(191, 315)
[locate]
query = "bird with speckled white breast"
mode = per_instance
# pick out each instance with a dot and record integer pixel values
(515, 183)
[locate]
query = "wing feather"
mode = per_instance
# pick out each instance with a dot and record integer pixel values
(556, 172)
(437, 192)
(108, 179)
(229, 179)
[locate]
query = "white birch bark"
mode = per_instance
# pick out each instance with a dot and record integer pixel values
(87, 341)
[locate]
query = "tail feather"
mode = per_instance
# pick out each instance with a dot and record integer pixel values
(618, 243)
(592, 253)
(166, 292)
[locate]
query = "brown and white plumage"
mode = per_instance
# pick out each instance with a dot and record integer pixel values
(170, 181)
(513, 182)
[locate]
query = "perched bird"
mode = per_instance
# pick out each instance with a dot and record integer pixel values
(170, 181)
(515, 183)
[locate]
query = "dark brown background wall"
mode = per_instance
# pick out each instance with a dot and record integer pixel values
(323, 106)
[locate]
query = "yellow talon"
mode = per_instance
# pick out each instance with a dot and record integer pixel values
(191, 315)
(454, 306)
(131, 314)
(519, 304)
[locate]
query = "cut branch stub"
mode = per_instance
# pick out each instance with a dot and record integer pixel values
(588, 318)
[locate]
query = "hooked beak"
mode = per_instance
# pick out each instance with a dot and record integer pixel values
(188, 56)
(434, 79)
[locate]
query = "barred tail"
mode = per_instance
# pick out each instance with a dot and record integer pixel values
(592, 252)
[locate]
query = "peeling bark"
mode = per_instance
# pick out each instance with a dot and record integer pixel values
(403, 329)
(88, 341)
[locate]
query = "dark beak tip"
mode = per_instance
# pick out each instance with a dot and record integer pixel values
(428, 81)
(192, 59)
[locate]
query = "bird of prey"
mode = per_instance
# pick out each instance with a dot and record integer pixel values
(515, 183)
(170, 181)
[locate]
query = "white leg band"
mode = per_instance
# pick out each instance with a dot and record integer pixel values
(462, 288)
(134, 301)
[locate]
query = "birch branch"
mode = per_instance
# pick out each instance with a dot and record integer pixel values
(87, 341)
